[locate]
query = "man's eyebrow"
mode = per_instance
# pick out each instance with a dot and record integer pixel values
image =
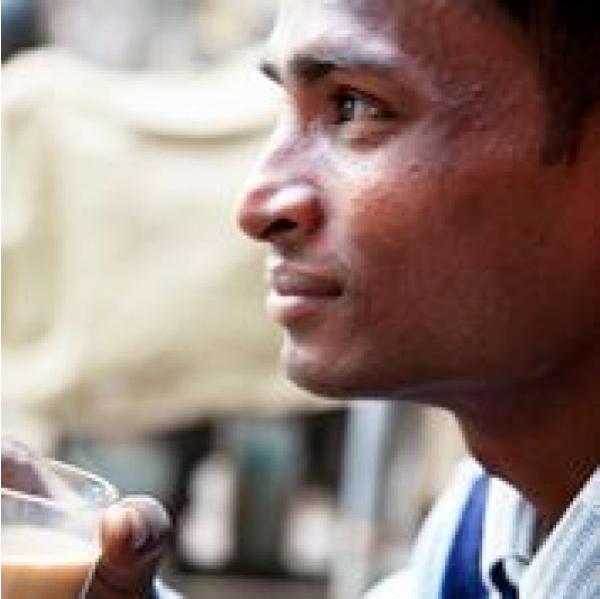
(313, 66)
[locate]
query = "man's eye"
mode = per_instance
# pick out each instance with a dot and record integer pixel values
(354, 106)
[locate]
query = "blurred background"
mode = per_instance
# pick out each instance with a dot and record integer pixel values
(134, 338)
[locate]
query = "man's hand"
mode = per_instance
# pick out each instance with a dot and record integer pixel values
(134, 530)
(134, 534)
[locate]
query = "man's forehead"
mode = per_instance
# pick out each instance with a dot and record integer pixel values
(329, 28)
(430, 34)
(383, 17)
(368, 13)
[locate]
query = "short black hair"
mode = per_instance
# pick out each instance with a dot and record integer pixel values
(565, 35)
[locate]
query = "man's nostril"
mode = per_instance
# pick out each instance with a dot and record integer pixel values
(278, 227)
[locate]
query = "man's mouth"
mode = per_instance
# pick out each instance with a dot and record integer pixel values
(288, 280)
(298, 290)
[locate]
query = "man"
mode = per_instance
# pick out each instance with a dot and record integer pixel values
(431, 197)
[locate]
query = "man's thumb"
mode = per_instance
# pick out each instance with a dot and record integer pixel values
(134, 534)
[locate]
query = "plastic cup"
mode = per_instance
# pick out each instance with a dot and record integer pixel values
(50, 545)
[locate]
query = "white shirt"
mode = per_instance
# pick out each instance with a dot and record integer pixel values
(566, 566)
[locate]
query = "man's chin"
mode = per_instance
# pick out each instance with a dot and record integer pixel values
(314, 380)
(312, 373)
(331, 375)
(327, 374)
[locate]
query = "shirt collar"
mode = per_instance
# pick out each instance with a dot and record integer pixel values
(509, 529)
(568, 561)
(510, 526)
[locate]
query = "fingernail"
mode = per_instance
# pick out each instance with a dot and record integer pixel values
(141, 537)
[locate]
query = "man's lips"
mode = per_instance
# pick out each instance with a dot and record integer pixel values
(300, 281)
(299, 291)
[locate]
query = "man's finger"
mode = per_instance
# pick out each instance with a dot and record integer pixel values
(134, 535)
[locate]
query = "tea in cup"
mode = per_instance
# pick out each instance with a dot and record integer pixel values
(51, 544)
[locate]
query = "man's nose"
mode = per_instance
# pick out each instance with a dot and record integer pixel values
(284, 214)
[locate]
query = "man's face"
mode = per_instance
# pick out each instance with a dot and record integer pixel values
(416, 238)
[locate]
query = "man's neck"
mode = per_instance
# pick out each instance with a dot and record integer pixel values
(545, 439)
